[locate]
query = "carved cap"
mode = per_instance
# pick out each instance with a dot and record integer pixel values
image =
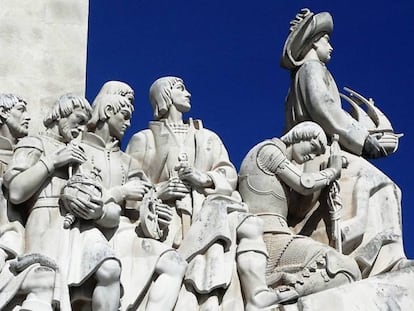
(305, 29)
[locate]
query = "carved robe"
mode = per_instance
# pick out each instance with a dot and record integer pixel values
(314, 96)
(211, 266)
(372, 202)
(138, 255)
(44, 231)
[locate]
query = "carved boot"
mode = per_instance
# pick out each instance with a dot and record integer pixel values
(251, 268)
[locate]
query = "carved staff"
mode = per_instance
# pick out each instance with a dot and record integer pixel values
(335, 203)
(184, 205)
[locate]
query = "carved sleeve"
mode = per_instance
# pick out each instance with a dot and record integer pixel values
(321, 98)
(26, 172)
(221, 170)
(137, 148)
(271, 159)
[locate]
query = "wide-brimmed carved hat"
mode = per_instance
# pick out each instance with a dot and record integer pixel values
(305, 29)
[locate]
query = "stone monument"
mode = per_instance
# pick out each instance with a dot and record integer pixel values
(308, 223)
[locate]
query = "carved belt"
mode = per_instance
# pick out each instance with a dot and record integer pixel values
(46, 202)
(274, 223)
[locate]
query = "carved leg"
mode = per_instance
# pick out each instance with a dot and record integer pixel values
(106, 295)
(164, 293)
(39, 284)
(252, 268)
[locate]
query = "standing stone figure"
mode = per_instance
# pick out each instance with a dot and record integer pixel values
(266, 177)
(371, 227)
(192, 172)
(14, 124)
(152, 272)
(25, 279)
(40, 168)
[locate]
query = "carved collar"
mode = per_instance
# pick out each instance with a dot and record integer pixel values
(92, 139)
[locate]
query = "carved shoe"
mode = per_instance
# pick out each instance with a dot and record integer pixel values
(266, 300)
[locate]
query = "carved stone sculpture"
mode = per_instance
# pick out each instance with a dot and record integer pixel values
(266, 177)
(152, 272)
(26, 280)
(34, 179)
(169, 225)
(371, 227)
(193, 174)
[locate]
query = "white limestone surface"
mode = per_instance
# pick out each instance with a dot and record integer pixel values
(43, 51)
(387, 292)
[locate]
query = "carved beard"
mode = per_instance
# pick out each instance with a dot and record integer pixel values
(66, 131)
(16, 129)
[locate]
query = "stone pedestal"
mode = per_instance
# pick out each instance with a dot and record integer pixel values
(388, 292)
(43, 51)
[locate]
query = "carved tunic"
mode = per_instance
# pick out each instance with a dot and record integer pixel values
(138, 255)
(157, 150)
(262, 190)
(314, 96)
(45, 220)
(44, 231)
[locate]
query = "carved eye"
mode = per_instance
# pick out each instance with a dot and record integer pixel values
(314, 146)
(126, 115)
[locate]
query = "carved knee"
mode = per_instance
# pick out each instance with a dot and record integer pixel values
(250, 236)
(39, 280)
(109, 272)
(251, 227)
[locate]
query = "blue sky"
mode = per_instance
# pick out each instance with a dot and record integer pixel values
(228, 54)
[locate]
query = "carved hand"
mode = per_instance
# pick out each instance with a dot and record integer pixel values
(174, 188)
(87, 209)
(71, 154)
(164, 213)
(195, 177)
(335, 162)
(135, 189)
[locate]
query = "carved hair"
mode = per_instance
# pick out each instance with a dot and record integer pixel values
(305, 131)
(160, 95)
(8, 101)
(64, 106)
(102, 102)
(117, 88)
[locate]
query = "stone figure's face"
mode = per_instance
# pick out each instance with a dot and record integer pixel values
(323, 49)
(71, 126)
(180, 97)
(18, 120)
(306, 151)
(119, 122)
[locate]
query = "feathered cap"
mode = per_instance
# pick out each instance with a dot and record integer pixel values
(305, 29)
